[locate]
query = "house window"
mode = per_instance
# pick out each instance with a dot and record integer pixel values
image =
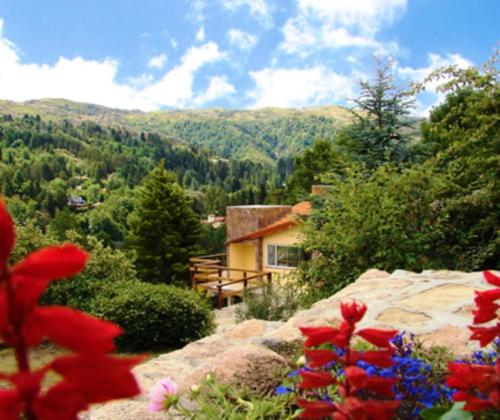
(284, 256)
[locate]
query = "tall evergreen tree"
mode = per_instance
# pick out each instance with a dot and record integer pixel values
(164, 230)
(379, 135)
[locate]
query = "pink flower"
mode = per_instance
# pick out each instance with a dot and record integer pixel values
(162, 395)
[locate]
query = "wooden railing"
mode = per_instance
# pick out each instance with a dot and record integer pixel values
(210, 273)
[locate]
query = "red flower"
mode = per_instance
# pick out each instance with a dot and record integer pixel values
(316, 379)
(52, 263)
(10, 404)
(319, 358)
(76, 330)
(487, 296)
(492, 278)
(379, 338)
(63, 399)
(381, 410)
(315, 409)
(485, 335)
(354, 408)
(356, 377)
(477, 404)
(472, 379)
(99, 377)
(7, 235)
(485, 312)
(380, 358)
(90, 376)
(352, 312)
(342, 339)
(464, 376)
(318, 335)
(382, 386)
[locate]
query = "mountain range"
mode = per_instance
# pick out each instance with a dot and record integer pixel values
(262, 135)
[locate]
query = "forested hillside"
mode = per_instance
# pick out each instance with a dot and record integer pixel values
(62, 175)
(261, 135)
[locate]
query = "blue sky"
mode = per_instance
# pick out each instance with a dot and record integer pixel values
(163, 54)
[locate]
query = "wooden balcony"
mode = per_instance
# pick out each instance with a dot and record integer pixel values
(210, 273)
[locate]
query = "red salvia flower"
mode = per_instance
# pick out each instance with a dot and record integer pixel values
(379, 338)
(315, 409)
(485, 312)
(382, 386)
(485, 335)
(479, 385)
(319, 358)
(352, 312)
(316, 379)
(10, 405)
(354, 383)
(7, 235)
(63, 399)
(90, 375)
(54, 262)
(491, 278)
(381, 410)
(318, 335)
(381, 358)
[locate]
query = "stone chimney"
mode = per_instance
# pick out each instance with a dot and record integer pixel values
(241, 220)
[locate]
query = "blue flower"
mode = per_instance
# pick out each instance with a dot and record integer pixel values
(282, 390)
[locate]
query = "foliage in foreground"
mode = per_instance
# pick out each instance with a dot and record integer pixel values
(89, 374)
(386, 376)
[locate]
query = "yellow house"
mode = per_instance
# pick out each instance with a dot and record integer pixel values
(265, 238)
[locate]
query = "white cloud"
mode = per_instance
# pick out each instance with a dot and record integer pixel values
(258, 8)
(299, 87)
(173, 43)
(95, 81)
(158, 61)
(200, 35)
(197, 12)
(218, 87)
(176, 87)
(338, 24)
(242, 40)
(430, 98)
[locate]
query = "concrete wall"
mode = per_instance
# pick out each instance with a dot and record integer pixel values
(242, 255)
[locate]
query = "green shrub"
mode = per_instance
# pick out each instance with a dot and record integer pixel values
(107, 269)
(276, 302)
(154, 316)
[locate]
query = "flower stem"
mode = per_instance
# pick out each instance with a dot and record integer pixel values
(19, 344)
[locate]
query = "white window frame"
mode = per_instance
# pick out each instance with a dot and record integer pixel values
(276, 255)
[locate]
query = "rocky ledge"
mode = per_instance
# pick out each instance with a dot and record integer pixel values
(435, 305)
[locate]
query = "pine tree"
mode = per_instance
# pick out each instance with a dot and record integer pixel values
(164, 230)
(379, 135)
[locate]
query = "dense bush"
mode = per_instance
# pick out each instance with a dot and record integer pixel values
(106, 270)
(388, 221)
(275, 302)
(154, 316)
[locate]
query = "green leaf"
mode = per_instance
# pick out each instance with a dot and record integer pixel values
(433, 413)
(445, 413)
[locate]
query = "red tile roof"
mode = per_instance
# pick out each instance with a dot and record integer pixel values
(301, 209)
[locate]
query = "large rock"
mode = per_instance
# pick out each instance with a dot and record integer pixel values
(435, 305)
(256, 367)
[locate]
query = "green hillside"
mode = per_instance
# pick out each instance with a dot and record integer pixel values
(260, 135)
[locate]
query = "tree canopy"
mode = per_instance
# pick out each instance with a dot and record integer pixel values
(164, 230)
